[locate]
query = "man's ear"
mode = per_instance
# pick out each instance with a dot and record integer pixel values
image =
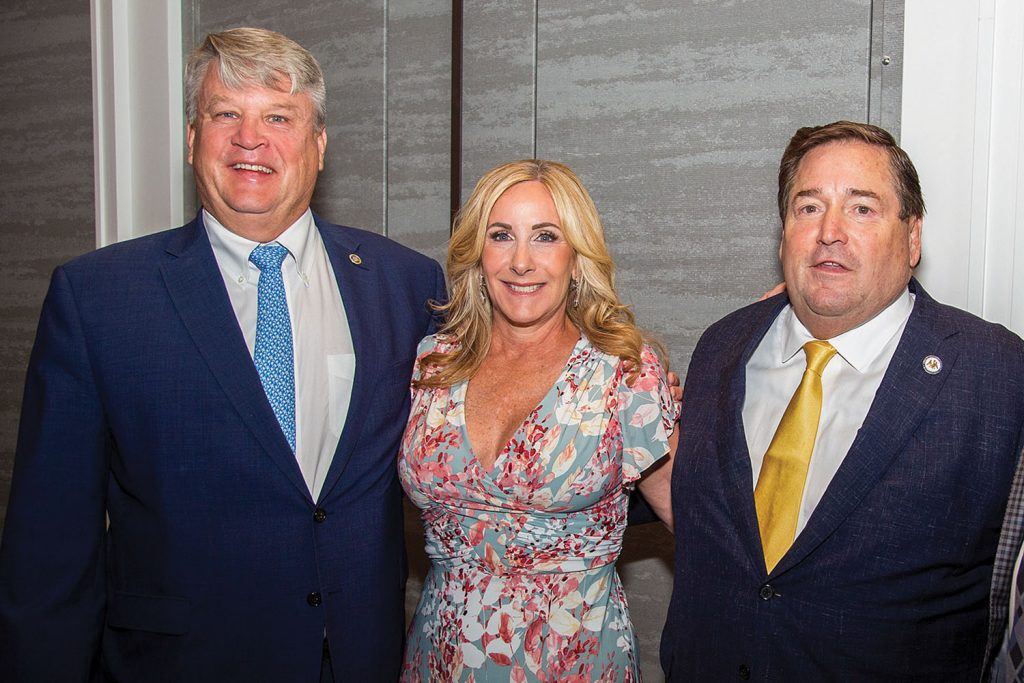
(321, 143)
(190, 138)
(915, 241)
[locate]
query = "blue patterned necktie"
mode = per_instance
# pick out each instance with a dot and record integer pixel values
(273, 355)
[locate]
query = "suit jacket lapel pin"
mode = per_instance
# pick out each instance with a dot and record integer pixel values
(356, 259)
(932, 365)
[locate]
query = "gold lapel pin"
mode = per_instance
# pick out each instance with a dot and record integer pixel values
(354, 258)
(932, 365)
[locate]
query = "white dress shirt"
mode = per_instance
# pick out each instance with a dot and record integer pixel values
(325, 360)
(849, 383)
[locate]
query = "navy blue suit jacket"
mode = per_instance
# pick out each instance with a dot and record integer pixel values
(142, 405)
(890, 578)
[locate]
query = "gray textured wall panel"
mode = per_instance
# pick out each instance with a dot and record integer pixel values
(675, 115)
(349, 41)
(419, 124)
(47, 190)
(497, 86)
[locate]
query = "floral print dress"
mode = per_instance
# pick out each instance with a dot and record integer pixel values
(522, 583)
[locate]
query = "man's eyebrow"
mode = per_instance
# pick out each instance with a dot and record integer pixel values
(863, 193)
(853, 191)
(217, 100)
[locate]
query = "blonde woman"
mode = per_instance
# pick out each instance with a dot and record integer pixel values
(536, 410)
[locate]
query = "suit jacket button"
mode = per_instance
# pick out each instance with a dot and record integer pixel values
(766, 592)
(744, 672)
(320, 515)
(313, 599)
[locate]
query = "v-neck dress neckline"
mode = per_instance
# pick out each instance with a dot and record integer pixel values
(461, 389)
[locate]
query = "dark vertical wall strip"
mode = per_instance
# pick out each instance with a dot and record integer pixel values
(885, 82)
(536, 80)
(48, 212)
(455, 190)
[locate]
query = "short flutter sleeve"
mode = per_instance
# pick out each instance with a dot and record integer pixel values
(647, 416)
(427, 345)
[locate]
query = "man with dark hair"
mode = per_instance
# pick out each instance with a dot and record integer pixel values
(847, 448)
(205, 485)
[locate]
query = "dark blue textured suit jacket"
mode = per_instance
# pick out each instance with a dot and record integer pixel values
(143, 404)
(890, 578)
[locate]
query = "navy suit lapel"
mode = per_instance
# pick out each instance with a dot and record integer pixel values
(737, 474)
(196, 287)
(903, 399)
(360, 295)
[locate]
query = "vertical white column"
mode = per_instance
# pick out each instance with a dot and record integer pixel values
(963, 125)
(138, 119)
(1004, 272)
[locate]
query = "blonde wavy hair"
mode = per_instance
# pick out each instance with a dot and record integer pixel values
(607, 323)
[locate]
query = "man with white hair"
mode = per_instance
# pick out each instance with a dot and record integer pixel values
(205, 485)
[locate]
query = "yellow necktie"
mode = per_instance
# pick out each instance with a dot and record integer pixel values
(780, 486)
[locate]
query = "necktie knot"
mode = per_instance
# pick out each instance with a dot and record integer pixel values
(818, 353)
(268, 256)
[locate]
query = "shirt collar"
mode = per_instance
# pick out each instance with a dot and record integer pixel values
(860, 346)
(233, 250)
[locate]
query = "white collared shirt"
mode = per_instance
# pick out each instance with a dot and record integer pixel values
(324, 357)
(849, 383)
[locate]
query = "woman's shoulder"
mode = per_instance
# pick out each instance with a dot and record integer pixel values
(650, 361)
(432, 343)
(650, 358)
(650, 376)
(439, 343)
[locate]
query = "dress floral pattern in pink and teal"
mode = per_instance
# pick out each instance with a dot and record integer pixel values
(522, 583)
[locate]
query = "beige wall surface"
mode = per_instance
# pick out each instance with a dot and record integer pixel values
(674, 113)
